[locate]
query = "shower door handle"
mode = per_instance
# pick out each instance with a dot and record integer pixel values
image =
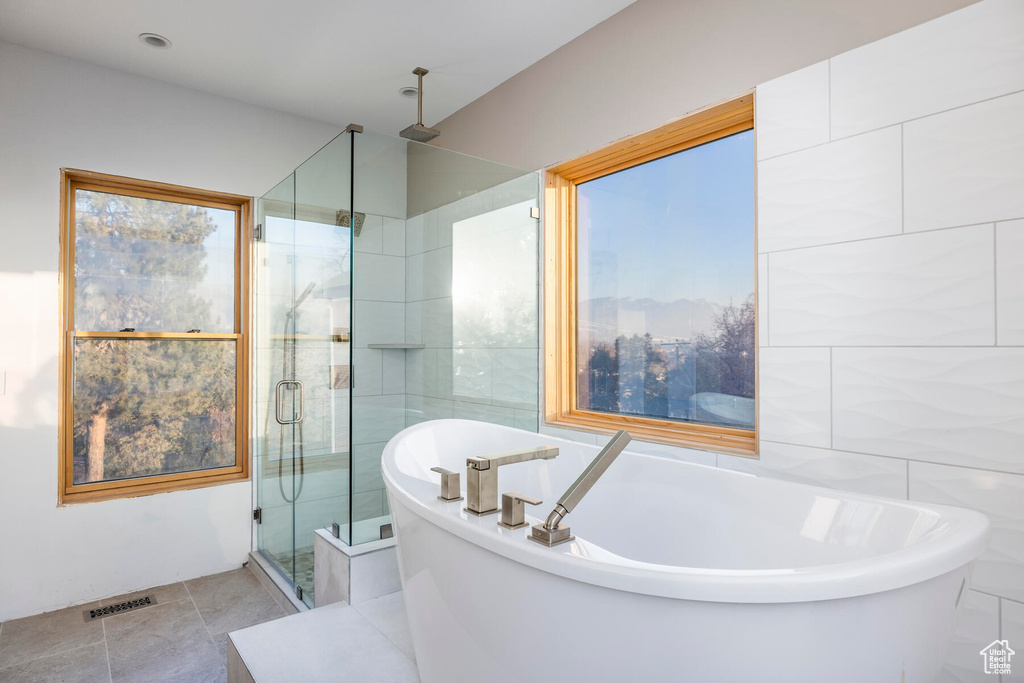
(296, 385)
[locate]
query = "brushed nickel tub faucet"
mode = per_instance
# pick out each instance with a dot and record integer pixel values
(552, 532)
(482, 476)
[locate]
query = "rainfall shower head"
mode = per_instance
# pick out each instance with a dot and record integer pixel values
(417, 132)
(343, 219)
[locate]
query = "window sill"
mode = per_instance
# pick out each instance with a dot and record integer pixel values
(92, 493)
(699, 437)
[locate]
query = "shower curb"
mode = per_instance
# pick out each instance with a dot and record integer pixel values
(275, 584)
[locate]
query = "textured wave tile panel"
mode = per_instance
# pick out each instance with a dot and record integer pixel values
(1000, 570)
(1010, 283)
(842, 191)
(930, 289)
(792, 111)
(691, 455)
(823, 467)
(1013, 630)
(378, 322)
(379, 278)
(965, 166)
(794, 388)
(977, 625)
(465, 410)
(762, 300)
(377, 418)
(954, 406)
(515, 377)
(963, 57)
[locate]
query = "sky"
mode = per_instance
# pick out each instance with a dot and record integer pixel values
(678, 227)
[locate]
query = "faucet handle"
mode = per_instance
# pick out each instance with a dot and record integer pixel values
(451, 488)
(513, 514)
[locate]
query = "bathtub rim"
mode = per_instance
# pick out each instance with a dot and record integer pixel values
(952, 548)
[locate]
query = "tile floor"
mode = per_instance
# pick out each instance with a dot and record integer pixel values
(181, 638)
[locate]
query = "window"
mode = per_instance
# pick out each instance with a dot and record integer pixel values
(650, 298)
(153, 356)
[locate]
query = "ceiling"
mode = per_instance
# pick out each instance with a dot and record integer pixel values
(338, 61)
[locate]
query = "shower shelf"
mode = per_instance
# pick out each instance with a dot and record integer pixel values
(396, 346)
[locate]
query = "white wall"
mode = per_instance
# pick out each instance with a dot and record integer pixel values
(891, 282)
(56, 112)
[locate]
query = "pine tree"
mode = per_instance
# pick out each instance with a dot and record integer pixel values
(146, 406)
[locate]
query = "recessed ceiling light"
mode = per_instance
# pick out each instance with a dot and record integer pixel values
(408, 91)
(155, 40)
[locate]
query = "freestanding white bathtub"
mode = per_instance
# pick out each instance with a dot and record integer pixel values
(679, 572)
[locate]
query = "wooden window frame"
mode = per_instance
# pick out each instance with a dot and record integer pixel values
(68, 492)
(560, 271)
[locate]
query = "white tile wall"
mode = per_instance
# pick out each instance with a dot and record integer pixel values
(379, 278)
(824, 467)
(965, 166)
(883, 269)
(957, 406)
(377, 418)
(1010, 283)
(371, 237)
(977, 626)
(369, 373)
(933, 288)
(792, 111)
(1000, 570)
(393, 241)
(393, 380)
(484, 413)
(964, 57)
(480, 360)
(795, 396)
(1013, 630)
(378, 322)
(847, 190)
(762, 300)
(421, 233)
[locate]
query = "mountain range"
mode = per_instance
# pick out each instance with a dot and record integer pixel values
(606, 318)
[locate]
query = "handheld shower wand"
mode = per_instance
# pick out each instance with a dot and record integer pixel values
(552, 532)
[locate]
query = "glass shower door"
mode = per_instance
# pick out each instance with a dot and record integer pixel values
(302, 369)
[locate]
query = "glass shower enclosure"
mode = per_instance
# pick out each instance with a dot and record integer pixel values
(395, 282)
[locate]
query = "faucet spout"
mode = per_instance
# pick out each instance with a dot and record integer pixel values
(482, 476)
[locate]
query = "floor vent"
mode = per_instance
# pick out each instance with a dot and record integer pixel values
(119, 608)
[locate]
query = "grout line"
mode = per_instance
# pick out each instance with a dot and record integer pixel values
(831, 403)
(829, 79)
(903, 185)
(768, 301)
(206, 627)
(908, 480)
(376, 628)
(894, 123)
(999, 610)
(995, 284)
(896, 457)
(885, 237)
(106, 649)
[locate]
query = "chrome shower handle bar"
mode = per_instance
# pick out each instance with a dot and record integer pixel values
(279, 403)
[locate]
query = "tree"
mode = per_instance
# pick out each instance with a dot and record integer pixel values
(638, 377)
(146, 406)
